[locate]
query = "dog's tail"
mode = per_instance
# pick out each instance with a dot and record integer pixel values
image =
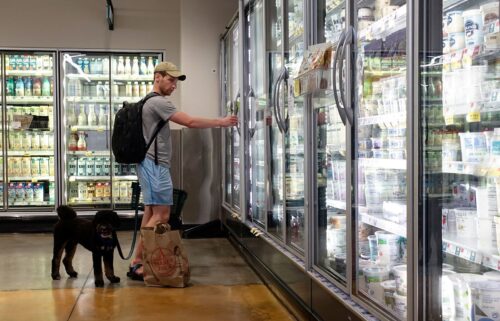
(66, 213)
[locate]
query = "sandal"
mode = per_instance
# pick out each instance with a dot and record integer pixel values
(132, 273)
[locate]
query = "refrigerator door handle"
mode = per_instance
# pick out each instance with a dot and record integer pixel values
(340, 109)
(276, 102)
(284, 122)
(347, 109)
(236, 110)
(251, 95)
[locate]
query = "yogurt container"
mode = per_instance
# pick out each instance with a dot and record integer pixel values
(454, 22)
(456, 41)
(486, 300)
(388, 246)
(389, 287)
(400, 305)
(490, 12)
(376, 274)
(473, 25)
(400, 276)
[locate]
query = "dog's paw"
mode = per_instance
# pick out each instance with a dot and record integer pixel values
(56, 277)
(73, 274)
(114, 279)
(99, 283)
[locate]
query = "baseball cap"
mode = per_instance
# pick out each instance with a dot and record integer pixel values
(170, 69)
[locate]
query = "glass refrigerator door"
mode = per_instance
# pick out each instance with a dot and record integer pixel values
(235, 99)
(228, 186)
(86, 125)
(2, 85)
(461, 159)
(275, 218)
(132, 77)
(257, 100)
(330, 155)
(380, 155)
(293, 124)
(30, 99)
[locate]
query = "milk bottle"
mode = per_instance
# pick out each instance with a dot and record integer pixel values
(82, 117)
(103, 119)
(151, 67)
(92, 117)
(143, 67)
(114, 66)
(105, 66)
(71, 115)
(143, 89)
(82, 143)
(135, 66)
(37, 87)
(135, 89)
(128, 67)
(128, 89)
(120, 68)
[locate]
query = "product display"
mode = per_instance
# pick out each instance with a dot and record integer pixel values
(95, 87)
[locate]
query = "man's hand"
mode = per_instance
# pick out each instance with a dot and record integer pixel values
(229, 121)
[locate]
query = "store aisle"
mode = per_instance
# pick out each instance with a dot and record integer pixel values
(223, 287)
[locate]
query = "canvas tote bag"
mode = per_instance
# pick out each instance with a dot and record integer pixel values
(164, 258)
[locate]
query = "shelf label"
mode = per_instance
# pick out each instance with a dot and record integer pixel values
(34, 180)
(89, 154)
(473, 117)
(449, 120)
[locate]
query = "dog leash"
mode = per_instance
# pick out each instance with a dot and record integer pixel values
(136, 193)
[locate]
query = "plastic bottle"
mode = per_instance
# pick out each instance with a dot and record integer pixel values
(135, 66)
(143, 89)
(151, 66)
(46, 87)
(37, 87)
(82, 143)
(114, 66)
(128, 89)
(52, 193)
(143, 67)
(28, 86)
(150, 86)
(71, 115)
(82, 116)
(10, 87)
(92, 117)
(135, 89)
(105, 65)
(19, 87)
(103, 119)
(128, 67)
(120, 68)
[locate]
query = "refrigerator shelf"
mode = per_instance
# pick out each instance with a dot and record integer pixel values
(477, 169)
(34, 203)
(88, 153)
(31, 178)
(36, 73)
(87, 100)
(14, 100)
(30, 153)
(126, 178)
(89, 178)
(89, 202)
(382, 163)
(454, 245)
(383, 73)
(382, 119)
(381, 223)
(75, 128)
(87, 77)
(385, 26)
(336, 204)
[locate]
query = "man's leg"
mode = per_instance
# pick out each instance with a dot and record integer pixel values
(148, 212)
(161, 213)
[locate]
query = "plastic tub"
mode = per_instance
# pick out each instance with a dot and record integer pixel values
(335, 241)
(456, 41)
(400, 276)
(447, 295)
(454, 22)
(400, 305)
(376, 274)
(389, 249)
(389, 287)
(462, 293)
(473, 147)
(473, 22)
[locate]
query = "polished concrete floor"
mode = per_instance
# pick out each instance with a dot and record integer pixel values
(222, 287)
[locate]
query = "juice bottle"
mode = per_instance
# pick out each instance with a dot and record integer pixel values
(143, 89)
(82, 143)
(37, 87)
(25, 166)
(45, 87)
(135, 89)
(105, 65)
(106, 190)
(73, 142)
(128, 89)
(33, 61)
(99, 192)
(71, 115)
(52, 193)
(143, 70)
(20, 192)
(28, 86)
(10, 87)
(28, 191)
(151, 66)
(19, 87)
(103, 119)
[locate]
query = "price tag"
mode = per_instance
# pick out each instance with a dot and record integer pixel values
(473, 117)
(27, 154)
(296, 87)
(100, 129)
(449, 120)
(89, 154)
(74, 129)
(34, 180)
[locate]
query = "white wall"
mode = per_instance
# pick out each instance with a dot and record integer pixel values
(200, 53)
(187, 30)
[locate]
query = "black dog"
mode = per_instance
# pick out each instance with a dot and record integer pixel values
(97, 236)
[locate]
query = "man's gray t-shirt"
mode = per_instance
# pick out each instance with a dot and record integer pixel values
(155, 109)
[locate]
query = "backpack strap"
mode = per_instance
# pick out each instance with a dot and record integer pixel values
(159, 126)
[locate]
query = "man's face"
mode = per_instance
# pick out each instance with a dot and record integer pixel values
(167, 84)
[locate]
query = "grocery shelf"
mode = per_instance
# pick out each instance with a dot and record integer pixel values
(33, 203)
(35, 73)
(31, 178)
(382, 119)
(29, 153)
(385, 26)
(14, 100)
(89, 178)
(89, 153)
(89, 128)
(468, 249)
(125, 178)
(84, 76)
(383, 73)
(336, 204)
(113, 77)
(90, 202)
(87, 100)
(477, 169)
(382, 163)
(382, 223)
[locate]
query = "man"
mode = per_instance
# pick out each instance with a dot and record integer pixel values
(154, 176)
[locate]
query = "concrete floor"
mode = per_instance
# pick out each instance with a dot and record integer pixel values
(223, 287)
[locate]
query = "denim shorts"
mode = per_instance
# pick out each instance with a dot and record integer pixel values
(156, 183)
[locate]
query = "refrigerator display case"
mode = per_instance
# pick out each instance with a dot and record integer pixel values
(257, 101)
(231, 103)
(94, 87)
(28, 138)
(459, 77)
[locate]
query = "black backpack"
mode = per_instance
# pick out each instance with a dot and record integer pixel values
(127, 142)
